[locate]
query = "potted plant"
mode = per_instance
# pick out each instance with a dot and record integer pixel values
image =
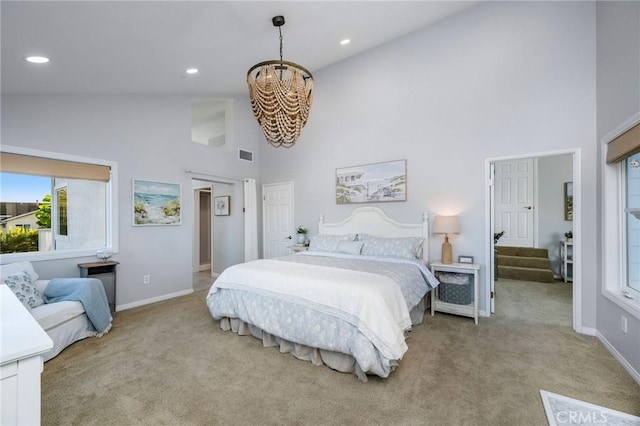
(568, 236)
(301, 234)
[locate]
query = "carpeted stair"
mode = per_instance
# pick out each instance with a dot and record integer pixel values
(523, 263)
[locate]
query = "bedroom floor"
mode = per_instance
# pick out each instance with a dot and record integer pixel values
(169, 363)
(539, 303)
(202, 280)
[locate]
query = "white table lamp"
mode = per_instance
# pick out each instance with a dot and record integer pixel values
(446, 225)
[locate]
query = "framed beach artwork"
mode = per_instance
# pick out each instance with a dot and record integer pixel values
(221, 205)
(372, 183)
(156, 203)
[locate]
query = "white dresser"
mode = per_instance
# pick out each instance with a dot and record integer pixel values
(22, 343)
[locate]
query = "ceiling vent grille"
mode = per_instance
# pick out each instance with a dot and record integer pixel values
(245, 155)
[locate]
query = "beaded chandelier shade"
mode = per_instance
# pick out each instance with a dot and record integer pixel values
(281, 93)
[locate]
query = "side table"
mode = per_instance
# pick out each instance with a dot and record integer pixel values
(297, 247)
(105, 272)
(464, 276)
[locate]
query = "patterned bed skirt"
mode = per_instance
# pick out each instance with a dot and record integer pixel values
(344, 363)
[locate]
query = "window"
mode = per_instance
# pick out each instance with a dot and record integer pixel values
(61, 210)
(632, 216)
(212, 122)
(621, 219)
(71, 203)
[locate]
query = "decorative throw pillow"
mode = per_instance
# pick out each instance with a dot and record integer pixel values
(16, 267)
(405, 247)
(25, 289)
(350, 247)
(327, 242)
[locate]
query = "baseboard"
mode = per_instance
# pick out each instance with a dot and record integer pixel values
(153, 300)
(634, 374)
(588, 331)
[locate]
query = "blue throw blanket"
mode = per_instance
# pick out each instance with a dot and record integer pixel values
(88, 291)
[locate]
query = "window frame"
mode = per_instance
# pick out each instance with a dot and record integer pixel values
(614, 233)
(56, 216)
(635, 293)
(111, 209)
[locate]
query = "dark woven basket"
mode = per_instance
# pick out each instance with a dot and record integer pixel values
(459, 294)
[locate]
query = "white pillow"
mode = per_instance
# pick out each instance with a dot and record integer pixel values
(14, 268)
(350, 247)
(327, 242)
(403, 247)
(24, 288)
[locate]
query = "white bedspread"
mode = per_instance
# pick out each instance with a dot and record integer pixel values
(373, 303)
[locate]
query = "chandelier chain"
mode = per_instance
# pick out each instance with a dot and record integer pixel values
(280, 30)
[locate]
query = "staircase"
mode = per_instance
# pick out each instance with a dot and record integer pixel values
(525, 264)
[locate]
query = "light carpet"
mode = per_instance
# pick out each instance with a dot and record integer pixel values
(169, 363)
(562, 410)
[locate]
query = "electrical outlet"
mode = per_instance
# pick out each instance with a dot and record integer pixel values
(623, 324)
(146, 279)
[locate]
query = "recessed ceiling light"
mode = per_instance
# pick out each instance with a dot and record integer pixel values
(37, 59)
(345, 41)
(192, 71)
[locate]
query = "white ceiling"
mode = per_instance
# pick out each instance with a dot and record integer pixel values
(144, 47)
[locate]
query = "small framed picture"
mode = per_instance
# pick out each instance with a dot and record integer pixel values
(465, 259)
(221, 206)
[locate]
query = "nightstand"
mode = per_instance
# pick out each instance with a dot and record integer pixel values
(458, 290)
(566, 254)
(297, 247)
(105, 272)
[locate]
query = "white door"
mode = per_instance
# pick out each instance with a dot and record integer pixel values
(277, 218)
(514, 209)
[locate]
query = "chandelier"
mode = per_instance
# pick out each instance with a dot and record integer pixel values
(281, 93)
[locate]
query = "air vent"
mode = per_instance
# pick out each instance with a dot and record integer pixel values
(245, 155)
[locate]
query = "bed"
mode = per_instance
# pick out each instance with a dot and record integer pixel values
(348, 302)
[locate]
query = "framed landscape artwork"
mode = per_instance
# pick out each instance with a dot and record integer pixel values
(221, 205)
(156, 203)
(372, 183)
(568, 201)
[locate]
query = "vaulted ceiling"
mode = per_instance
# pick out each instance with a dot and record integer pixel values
(145, 47)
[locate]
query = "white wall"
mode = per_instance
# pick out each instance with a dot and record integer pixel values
(553, 172)
(150, 138)
(618, 89)
(228, 233)
(500, 79)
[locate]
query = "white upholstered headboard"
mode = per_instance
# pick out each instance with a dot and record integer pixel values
(374, 221)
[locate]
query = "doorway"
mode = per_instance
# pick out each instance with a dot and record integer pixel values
(203, 227)
(535, 217)
(277, 218)
(204, 234)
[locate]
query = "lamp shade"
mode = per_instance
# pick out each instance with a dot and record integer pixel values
(446, 225)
